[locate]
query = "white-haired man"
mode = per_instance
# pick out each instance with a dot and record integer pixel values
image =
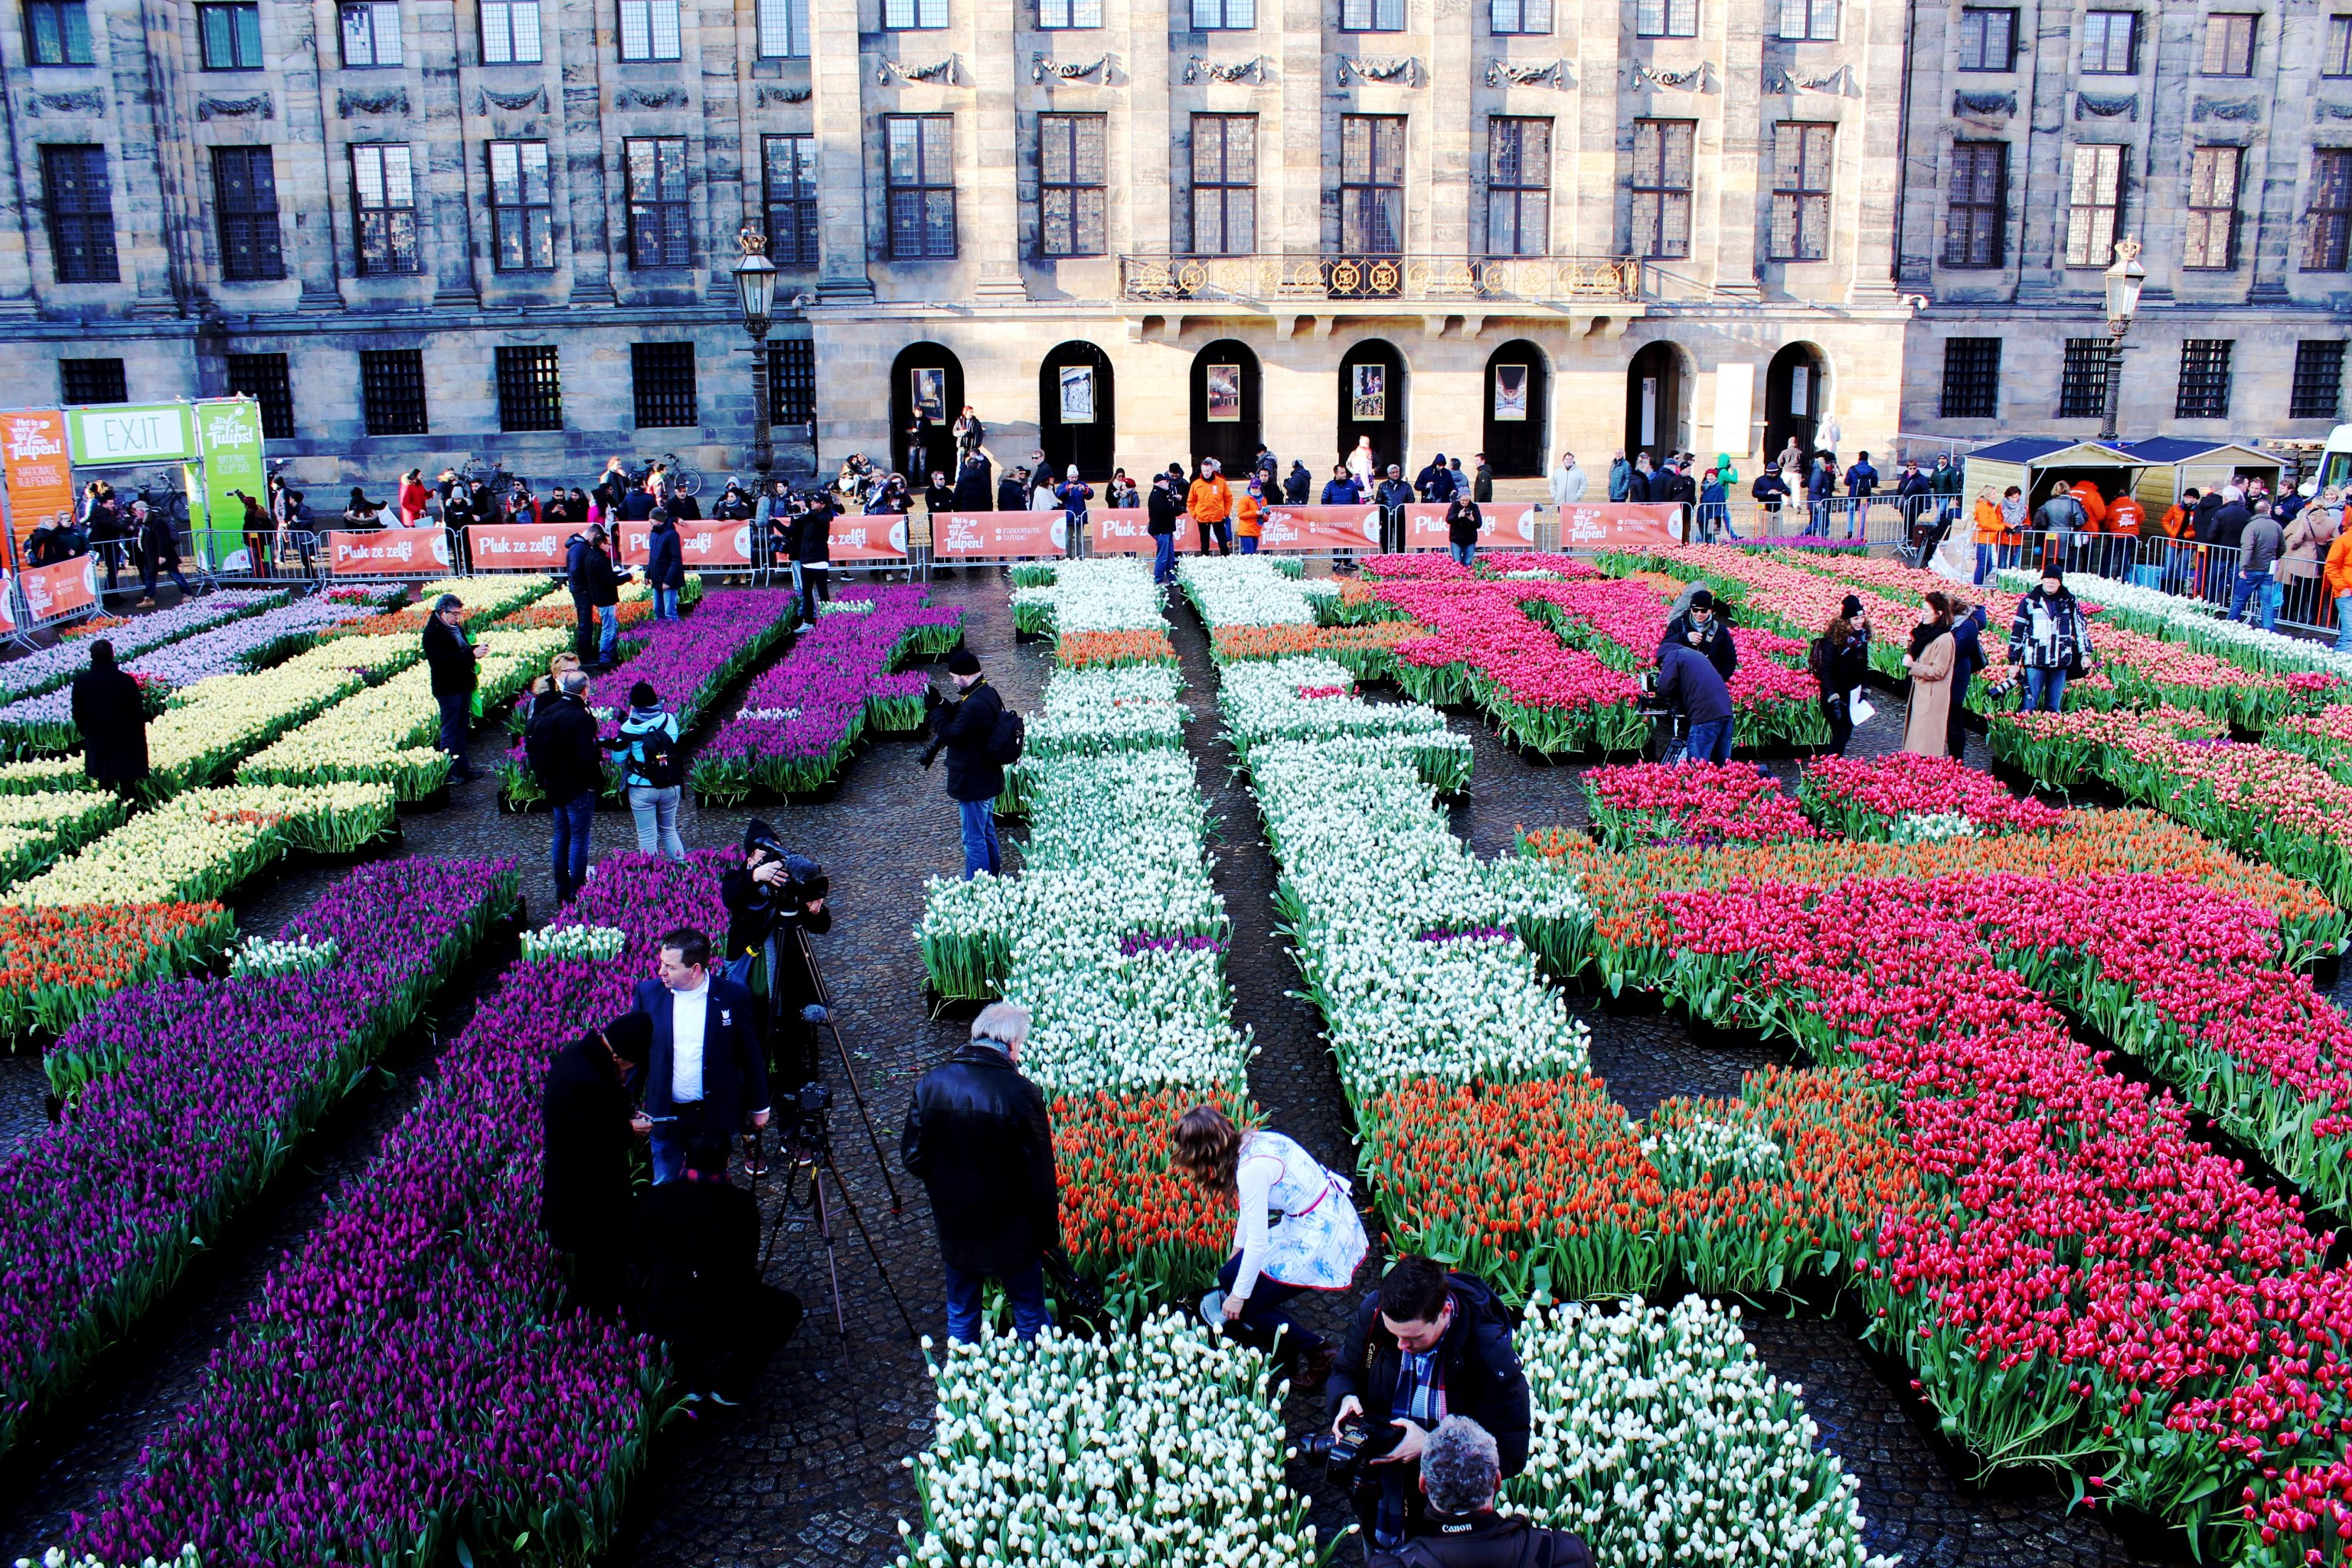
(1460, 1474)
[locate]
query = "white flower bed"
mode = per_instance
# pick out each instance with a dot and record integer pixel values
(259, 955)
(1932, 826)
(1126, 708)
(580, 943)
(1243, 591)
(1264, 699)
(1156, 1451)
(200, 844)
(1111, 595)
(1688, 1154)
(1661, 1440)
(56, 1558)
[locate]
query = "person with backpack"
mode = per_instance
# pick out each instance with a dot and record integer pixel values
(651, 772)
(561, 746)
(982, 737)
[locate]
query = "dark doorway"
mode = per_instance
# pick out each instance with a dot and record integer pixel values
(1653, 401)
(1793, 385)
(1517, 410)
(1225, 399)
(1372, 403)
(928, 375)
(1076, 418)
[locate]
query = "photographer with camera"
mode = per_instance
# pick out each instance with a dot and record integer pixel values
(968, 730)
(705, 1076)
(1461, 1471)
(589, 1128)
(1429, 1344)
(694, 1277)
(771, 899)
(1689, 687)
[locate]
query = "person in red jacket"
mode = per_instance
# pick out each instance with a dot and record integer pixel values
(411, 497)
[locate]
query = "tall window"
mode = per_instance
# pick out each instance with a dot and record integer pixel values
(1812, 19)
(264, 378)
(661, 222)
(245, 205)
(92, 381)
(905, 15)
(1665, 18)
(229, 36)
(1058, 14)
(392, 391)
(2211, 245)
(1371, 15)
(2318, 390)
(81, 206)
(1978, 221)
(790, 167)
(1987, 40)
(531, 388)
(1519, 187)
(1507, 17)
(511, 32)
(1971, 379)
(2204, 391)
(2083, 383)
(2330, 221)
(920, 172)
(1224, 185)
(1223, 15)
(783, 29)
(661, 378)
(2229, 44)
(1070, 195)
(2111, 43)
(1800, 191)
(522, 211)
(792, 381)
(57, 32)
(1371, 183)
(649, 30)
(1662, 187)
(2336, 58)
(2094, 201)
(384, 204)
(371, 33)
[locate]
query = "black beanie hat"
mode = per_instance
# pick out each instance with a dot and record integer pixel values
(1702, 600)
(631, 1036)
(963, 662)
(1850, 607)
(643, 695)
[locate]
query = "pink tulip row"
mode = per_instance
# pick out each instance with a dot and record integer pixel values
(1872, 792)
(1478, 624)
(1654, 803)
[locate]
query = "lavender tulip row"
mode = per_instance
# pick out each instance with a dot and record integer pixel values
(189, 1095)
(53, 667)
(799, 720)
(690, 662)
(406, 1384)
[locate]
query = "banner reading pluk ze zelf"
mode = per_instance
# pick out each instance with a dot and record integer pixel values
(390, 552)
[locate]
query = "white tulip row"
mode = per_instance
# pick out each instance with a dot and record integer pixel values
(56, 1558)
(1115, 593)
(1243, 591)
(1689, 1153)
(577, 943)
(1269, 700)
(198, 845)
(1123, 709)
(261, 956)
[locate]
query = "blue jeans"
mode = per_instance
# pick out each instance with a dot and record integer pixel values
(1984, 564)
(1163, 557)
(2045, 690)
(608, 630)
(1710, 742)
(1247, 544)
(457, 718)
(2253, 584)
(978, 838)
(665, 604)
(655, 811)
(1466, 553)
(1026, 1289)
(569, 852)
(1267, 1313)
(2344, 623)
(669, 1142)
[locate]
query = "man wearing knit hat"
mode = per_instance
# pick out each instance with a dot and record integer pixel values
(966, 730)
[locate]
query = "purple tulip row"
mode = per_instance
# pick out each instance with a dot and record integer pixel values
(51, 667)
(801, 718)
(191, 1095)
(407, 1384)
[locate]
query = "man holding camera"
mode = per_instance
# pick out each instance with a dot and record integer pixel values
(706, 1075)
(966, 730)
(771, 899)
(1429, 1344)
(1461, 1471)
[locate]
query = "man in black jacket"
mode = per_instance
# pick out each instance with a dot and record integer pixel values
(966, 730)
(596, 587)
(561, 746)
(589, 1128)
(979, 1139)
(706, 1075)
(1461, 1471)
(1393, 497)
(694, 1259)
(1426, 1344)
(1701, 627)
(450, 659)
(1161, 510)
(812, 540)
(664, 566)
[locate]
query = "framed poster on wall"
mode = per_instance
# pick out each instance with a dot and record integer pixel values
(1224, 394)
(927, 393)
(1370, 398)
(1511, 391)
(1077, 393)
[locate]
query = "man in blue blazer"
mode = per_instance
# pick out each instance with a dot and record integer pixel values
(705, 1076)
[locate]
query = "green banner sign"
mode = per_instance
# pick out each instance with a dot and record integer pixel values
(228, 430)
(124, 435)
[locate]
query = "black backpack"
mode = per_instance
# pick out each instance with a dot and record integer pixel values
(1006, 738)
(658, 761)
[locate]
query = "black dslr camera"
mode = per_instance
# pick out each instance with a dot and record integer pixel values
(1344, 1454)
(805, 882)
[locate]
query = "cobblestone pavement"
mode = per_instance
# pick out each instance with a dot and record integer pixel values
(808, 1470)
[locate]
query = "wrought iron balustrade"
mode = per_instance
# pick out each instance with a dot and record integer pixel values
(1436, 280)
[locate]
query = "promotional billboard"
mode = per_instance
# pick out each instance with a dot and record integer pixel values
(517, 546)
(1314, 529)
(33, 462)
(987, 535)
(389, 553)
(1504, 525)
(50, 592)
(228, 438)
(1615, 525)
(700, 543)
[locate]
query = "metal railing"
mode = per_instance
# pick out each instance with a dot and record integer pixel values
(1434, 279)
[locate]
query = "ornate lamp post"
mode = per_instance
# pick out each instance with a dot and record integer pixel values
(755, 286)
(2124, 280)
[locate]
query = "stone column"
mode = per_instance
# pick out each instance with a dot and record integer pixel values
(993, 148)
(837, 103)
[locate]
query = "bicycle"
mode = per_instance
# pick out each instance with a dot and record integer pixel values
(490, 472)
(683, 477)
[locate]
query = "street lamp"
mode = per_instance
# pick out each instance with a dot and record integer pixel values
(755, 286)
(2123, 280)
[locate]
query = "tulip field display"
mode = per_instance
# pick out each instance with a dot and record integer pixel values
(801, 719)
(480, 600)
(1306, 700)
(1636, 804)
(1901, 796)
(189, 1095)
(36, 829)
(43, 669)
(260, 957)
(1244, 591)
(56, 964)
(1156, 1451)
(634, 608)
(1662, 1441)
(1368, 651)
(200, 844)
(582, 943)
(1765, 591)
(1143, 1231)
(206, 729)
(2198, 623)
(1084, 602)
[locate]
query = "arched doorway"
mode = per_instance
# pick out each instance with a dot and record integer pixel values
(1518, 408)
(926, 383)
(1226, 404)
(1655, 419)
(1793, 388)
(1372, 403)
(1077, 418)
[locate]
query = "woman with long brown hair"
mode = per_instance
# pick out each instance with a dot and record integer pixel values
(1930, 660)
(1297, 1230)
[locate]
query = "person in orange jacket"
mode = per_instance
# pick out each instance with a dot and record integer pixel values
(1246, 507)
(2095, 505)
(2338, 578)
(1209, 502)
(2125, 516)
(1993, 532)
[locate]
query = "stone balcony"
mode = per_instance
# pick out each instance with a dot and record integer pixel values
(1321, 289)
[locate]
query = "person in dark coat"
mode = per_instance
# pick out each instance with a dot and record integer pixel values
(589, 1128)
(1435, 484)
(664, 565)
(449, 659)
(978, 1137)
(561, 746)
(1700, 627)
(1428, 1343)
(1162, 511)
(706, 1073)
(1461, 1471)
(159, 551)
(972, 486)
(1463, 521)
(596, 587)
(112, 719)
(966, 730)
(694, 1277)
(1840, 662)
(1297, 484)
(1013, 491)
(1968, 657)
(813, 556)
(771, 899)
(1393, 497)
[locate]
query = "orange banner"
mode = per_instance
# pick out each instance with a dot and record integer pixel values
(1505, 525)
(880, 536)
(1609, 525)
(517, 546)
(1314, 528)
(700, 543)
(50, 592)
(964, 535)
(389, 553)
(1118, 530)
(34, 462)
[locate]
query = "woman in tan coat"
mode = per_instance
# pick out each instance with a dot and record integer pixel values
(1929, 662)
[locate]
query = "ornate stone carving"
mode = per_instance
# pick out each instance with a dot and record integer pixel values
(1405, 71)
(81, 101)
(1984, 103)
(387, 101)
(2227, 108)
(1781, 80)
(771, 93)
(260, 106)
(1041, 69)
(1250, 69)
(649, 98)
(2323, 110)
(2095, 106)
(1503, 73)
(942, 73)
(1691, 81)
(512, 103)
